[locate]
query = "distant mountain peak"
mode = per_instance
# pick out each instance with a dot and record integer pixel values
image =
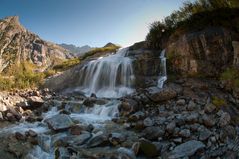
(78, 51)
(109, 44)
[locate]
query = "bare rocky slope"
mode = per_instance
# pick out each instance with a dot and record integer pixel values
(17, 44)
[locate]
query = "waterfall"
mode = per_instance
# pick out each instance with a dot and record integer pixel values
(111, 76)
(163, 72)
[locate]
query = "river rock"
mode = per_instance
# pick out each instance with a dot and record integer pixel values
(148, 122)
(60, 122)
(136, 116)
(191, 106)
(186, 149)
(170, 127)
(61, 153)
(153, 132)
(181, 102)
(204, 134)
(209, 108)
(148, 148)
(35, 101)
(76, 130)
(125, 153)
(184, 133)
(116, 138)
(208, 121)
(224, 119)
(128, 106)
(99, 139)
(159, 95)
(80, 139)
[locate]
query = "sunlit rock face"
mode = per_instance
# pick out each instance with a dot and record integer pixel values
(17, 44)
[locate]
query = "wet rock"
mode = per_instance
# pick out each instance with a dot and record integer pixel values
(153, 132)
(31, 133)
(184, 133)
(136, 148)
(136, 116)
(19, 149)
(10, 117)
(35, 101)
(181, 102)
(186, 149)
(148, 148)
(159, 95)
(61, 153)
(20, 136)
(116, 138)
(60, 122)
(80, 139)
(89, 102)
(224, 119)
(76, 130)
(99, 139)
(170, 127)
(128, 106)
(209, 108)
(1, 117)
(148, 122)
(125, 153)
(44, 141)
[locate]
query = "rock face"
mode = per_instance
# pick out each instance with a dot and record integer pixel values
(206, 52)
(146, 65)
(17, 44)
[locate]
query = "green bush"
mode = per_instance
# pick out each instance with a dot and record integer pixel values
(112, 48)
(218, 102)
(194, 15)
(21, 76)
(66, 64)
(231, 77)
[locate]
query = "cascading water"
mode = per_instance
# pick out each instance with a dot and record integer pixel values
(111, 76)
(163, 71)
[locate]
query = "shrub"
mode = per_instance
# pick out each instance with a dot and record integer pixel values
(111, 48)
(231, 77)
(21, 76)
(194, 15)
(218, 102)
(66, 64)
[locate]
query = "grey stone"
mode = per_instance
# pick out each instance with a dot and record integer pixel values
(186, 149)
(60, 122)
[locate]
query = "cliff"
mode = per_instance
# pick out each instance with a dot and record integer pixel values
(17, 44)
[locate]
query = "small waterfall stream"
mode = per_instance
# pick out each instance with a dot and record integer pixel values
(163, 71)
(111, 76)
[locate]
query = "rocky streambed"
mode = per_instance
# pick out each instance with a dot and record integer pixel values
(189, 118)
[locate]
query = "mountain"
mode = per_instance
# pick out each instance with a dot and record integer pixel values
(17, 45)
(78, 51)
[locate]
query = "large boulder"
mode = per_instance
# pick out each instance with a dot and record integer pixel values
(158, 95)
(186, 149)
(60, 122)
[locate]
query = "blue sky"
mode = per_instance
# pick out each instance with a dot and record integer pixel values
(92, 22)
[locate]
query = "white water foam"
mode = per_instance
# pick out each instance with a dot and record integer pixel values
(163, 70)
(111, 76)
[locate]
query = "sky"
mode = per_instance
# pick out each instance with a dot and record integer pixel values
(89, 22)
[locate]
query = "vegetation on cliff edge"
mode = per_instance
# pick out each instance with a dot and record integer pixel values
(194, 15)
